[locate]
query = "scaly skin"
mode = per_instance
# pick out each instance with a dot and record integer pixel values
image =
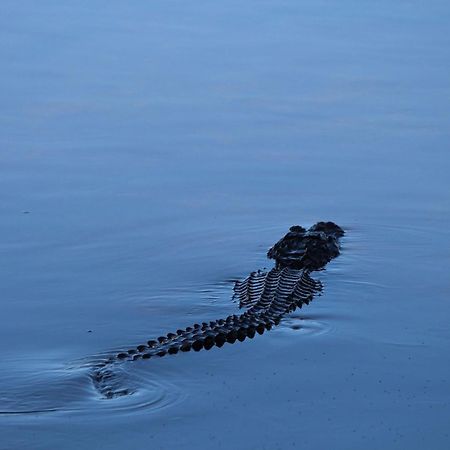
(268, 296)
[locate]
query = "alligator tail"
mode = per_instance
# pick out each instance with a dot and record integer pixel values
(284, 290)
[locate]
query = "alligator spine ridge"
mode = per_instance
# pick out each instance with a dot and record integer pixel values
(269, 296)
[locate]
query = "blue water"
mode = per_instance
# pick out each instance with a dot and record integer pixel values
(151, 153)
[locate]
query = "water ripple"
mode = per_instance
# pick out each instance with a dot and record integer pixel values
(69, 390)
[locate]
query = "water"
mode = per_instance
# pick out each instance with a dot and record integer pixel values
(152, 152)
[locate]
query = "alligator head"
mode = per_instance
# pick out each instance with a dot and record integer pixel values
(311, 249)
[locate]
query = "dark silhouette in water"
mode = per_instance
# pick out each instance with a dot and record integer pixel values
(269, 296)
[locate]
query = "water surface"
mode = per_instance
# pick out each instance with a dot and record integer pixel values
(152, 152)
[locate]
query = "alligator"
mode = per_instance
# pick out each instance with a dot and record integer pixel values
(267, 296)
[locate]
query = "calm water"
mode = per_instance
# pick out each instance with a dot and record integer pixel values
(151, 152)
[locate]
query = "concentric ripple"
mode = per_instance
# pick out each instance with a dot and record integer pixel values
(58, 390)
(307, 326)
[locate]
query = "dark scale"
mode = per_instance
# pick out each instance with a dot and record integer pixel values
(267, 297)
